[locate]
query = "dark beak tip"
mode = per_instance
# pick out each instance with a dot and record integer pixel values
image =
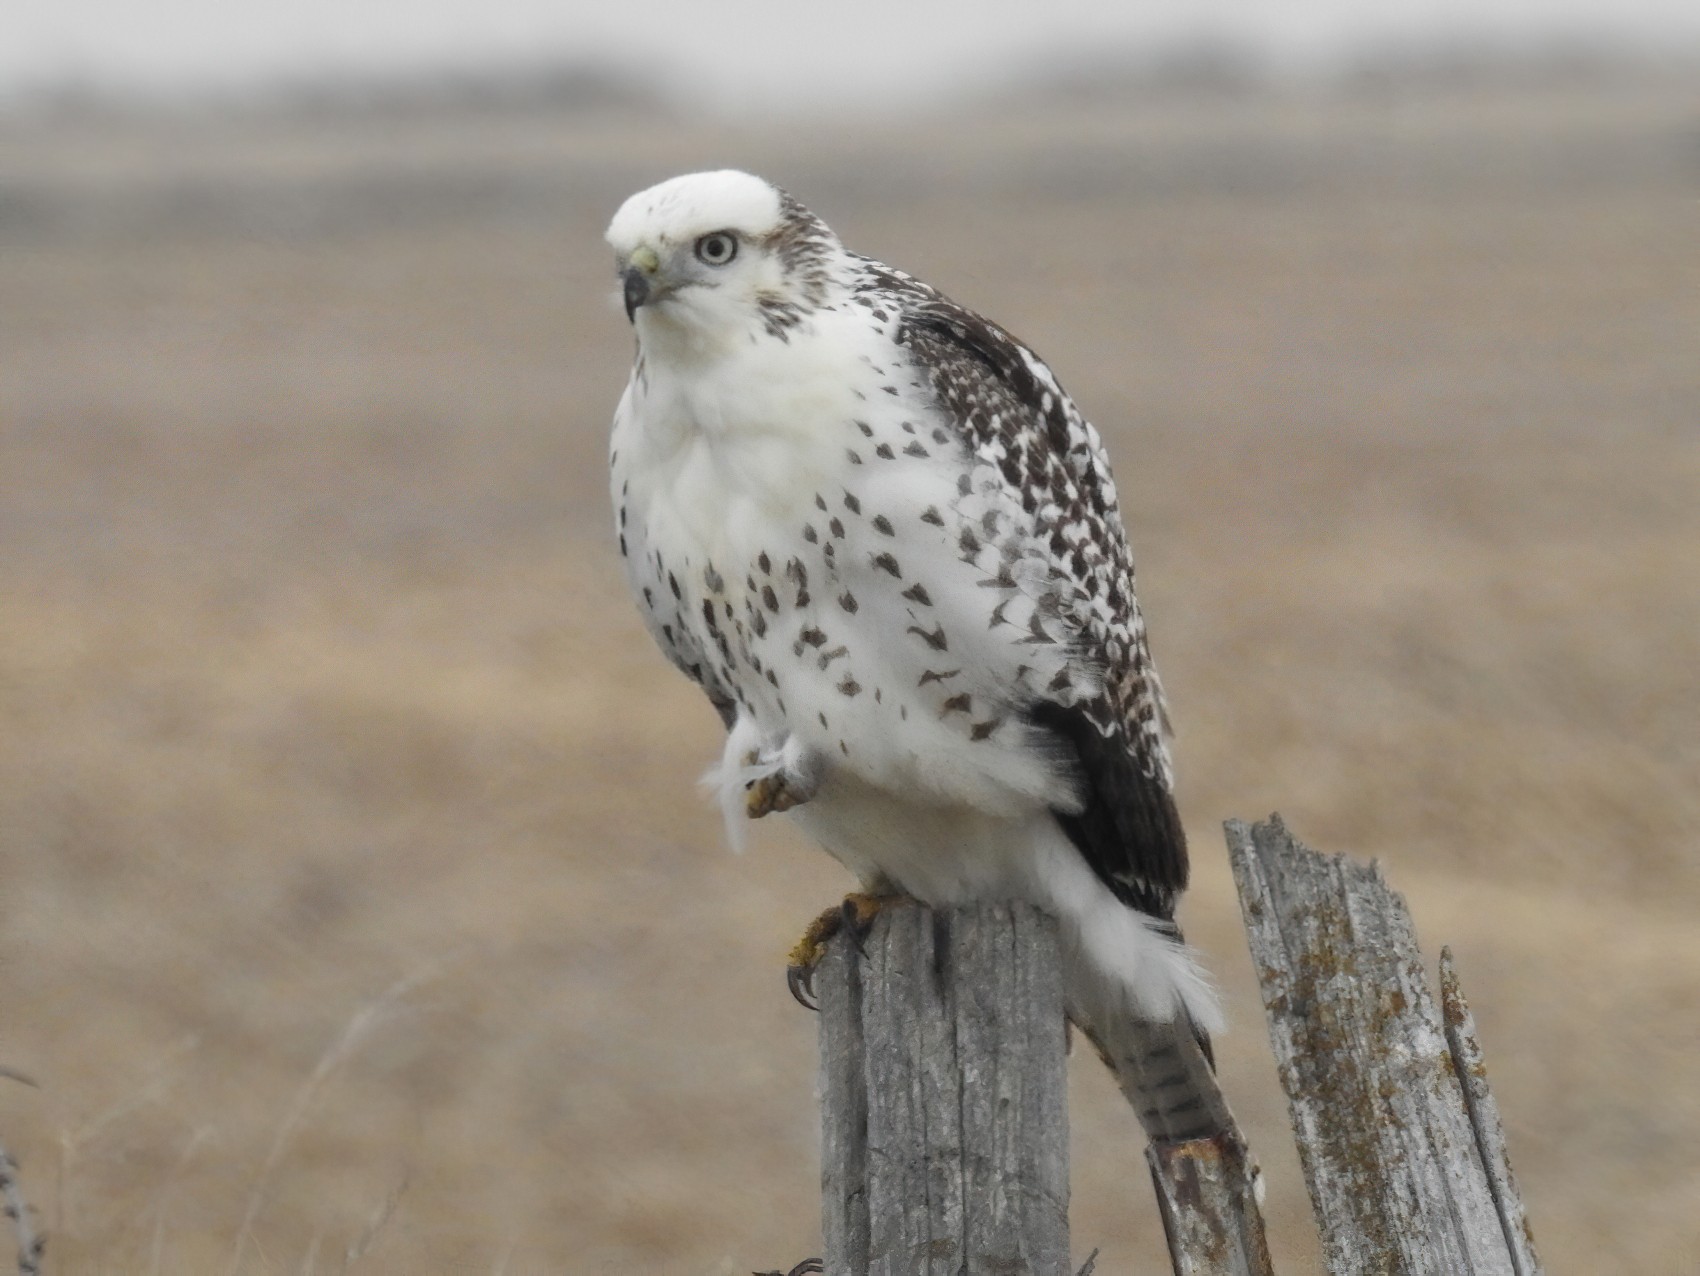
(636, 289)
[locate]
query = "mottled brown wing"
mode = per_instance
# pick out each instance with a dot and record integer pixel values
(1010, 410)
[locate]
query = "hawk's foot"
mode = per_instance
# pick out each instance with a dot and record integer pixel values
(793, 782)
(769, 794)
(855, 915)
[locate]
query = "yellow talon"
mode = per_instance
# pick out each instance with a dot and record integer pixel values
(857, 912)
(807, 951)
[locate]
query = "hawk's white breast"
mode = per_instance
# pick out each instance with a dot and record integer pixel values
(773, 488)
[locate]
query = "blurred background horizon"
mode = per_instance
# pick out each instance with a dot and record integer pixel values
(357, 905)
(747, 58)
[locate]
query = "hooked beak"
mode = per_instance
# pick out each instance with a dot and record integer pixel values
(642, 264)
(637, 291)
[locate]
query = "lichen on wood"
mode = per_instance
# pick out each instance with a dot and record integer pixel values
(1385, 1134)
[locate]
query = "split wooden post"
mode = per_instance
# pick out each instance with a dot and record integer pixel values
(1406, 1165)
(1207, 1192)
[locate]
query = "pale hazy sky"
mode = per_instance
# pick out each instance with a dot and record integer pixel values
(740, 52)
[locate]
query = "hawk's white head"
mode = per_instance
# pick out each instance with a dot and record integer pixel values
(710, 258)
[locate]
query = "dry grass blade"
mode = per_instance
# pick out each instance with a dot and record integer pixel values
(161, 1204)
(353, 1034)
(30, 1245)
(380, 1217)
(154, 1084)
(310, 1260)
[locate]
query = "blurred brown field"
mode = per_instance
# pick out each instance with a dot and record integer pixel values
(358, 907)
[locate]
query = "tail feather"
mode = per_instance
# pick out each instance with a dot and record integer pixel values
(1139, 994)
(1162, 1062)
(1165, 1070)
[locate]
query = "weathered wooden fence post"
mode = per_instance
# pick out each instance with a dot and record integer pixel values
(944, 1101)
(1399, 1138)
(945, 1114)
(945, 1117)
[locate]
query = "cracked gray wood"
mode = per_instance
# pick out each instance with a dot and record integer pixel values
(1207, 1195)
(1484, 1118)
(944, 1141)
(1397, 1174)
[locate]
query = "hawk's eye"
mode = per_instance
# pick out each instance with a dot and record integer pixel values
(717, 249)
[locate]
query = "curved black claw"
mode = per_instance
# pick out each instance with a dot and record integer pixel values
(803, 1268)
(801, 981)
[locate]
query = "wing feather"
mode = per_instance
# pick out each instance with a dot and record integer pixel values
(1014, 416)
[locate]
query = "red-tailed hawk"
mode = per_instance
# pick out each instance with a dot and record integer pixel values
(875, 531)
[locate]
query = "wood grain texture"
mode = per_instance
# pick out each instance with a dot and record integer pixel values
(1484, 1119)
(944, 1137)
(1207, 1194)
(1385, 1136)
